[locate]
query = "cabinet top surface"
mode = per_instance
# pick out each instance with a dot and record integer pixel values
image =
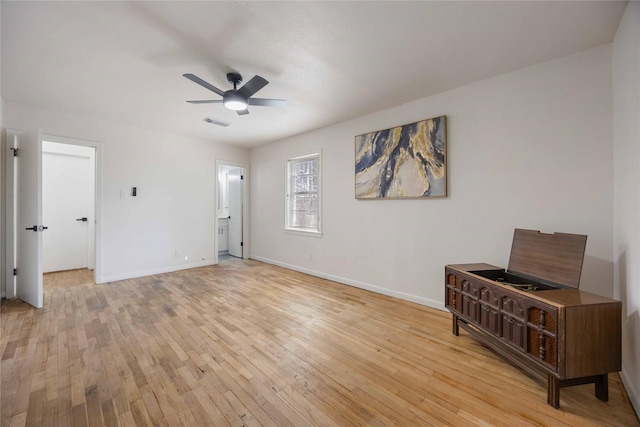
(572, 297)
(478, 266)
(557, 297)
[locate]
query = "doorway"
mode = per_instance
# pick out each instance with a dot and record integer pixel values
(230, 212)
(68, 200)
(24, 249)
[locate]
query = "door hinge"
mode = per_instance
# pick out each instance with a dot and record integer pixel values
(241, 243)
(15, 151)
(241, 176)
(15, 271)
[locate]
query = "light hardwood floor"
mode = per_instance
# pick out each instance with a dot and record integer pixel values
(247, 343)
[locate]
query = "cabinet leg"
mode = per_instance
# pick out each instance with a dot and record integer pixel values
(553, 391)
(456, 328)
(602, 387)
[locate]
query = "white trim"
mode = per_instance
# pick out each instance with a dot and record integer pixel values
(303, 232)
(245, 206)
(298, 230)
(97, 272)
(135, 274)
(632, 391)
(10, 217)
(4, 151)
(438, 305)
(305, 156)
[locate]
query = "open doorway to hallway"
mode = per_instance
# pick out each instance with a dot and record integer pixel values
(68, 203)
(230, 211)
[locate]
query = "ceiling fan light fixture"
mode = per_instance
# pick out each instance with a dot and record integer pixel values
(237, 99)
(235, 102)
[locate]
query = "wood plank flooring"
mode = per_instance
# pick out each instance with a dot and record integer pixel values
(248, 344)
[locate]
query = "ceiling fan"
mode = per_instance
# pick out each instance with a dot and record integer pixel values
(237, 99)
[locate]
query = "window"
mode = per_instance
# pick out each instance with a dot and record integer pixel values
(303, 194)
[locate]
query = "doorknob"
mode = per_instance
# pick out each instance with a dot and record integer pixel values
(83, 219)
(37, 228)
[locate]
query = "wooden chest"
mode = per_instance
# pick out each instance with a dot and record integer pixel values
(534, 315)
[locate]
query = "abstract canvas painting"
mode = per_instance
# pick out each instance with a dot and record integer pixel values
(406, 161)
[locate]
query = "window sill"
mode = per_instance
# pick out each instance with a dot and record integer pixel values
(303, 232)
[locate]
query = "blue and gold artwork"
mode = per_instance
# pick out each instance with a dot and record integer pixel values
(403, 162)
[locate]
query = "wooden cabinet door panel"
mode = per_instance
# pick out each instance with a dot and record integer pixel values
(453, 280)
(490, 296)
(543, 316)
(513, 306)
(469, 287)
(542, 347)
(470, 307)
(513, 330)
(490, 318)
(453, 300)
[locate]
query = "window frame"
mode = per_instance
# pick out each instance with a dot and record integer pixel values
(316, 232)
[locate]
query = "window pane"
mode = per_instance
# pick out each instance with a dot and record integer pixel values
(305, 183)
(304, 210)
(305, 167)
(300, 184)
(303, 198)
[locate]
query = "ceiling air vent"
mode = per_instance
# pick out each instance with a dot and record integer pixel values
(215, 122)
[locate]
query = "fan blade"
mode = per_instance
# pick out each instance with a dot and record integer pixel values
(252, 86)
(264, 102)
(242, 112)
(215, 122)
(204, 84)
(207, 101)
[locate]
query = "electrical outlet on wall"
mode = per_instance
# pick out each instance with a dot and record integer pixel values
(177, 253)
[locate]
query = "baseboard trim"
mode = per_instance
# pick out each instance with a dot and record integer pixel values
(135, 274)
(355, 283)
(632, 392)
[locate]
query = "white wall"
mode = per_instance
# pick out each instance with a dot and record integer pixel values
(626, 114)
(2, 195)
(3, 148)
(175, 177)
(528, 149)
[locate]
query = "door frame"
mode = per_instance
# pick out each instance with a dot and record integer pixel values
(10, 217)
(90, 156)
(9, 290)
(245, 206)
(97, 194)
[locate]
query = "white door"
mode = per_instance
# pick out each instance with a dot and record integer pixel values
(235, 211)
(67, 206)
(29, 215)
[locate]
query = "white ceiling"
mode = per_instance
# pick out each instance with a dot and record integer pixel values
(332, 61)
